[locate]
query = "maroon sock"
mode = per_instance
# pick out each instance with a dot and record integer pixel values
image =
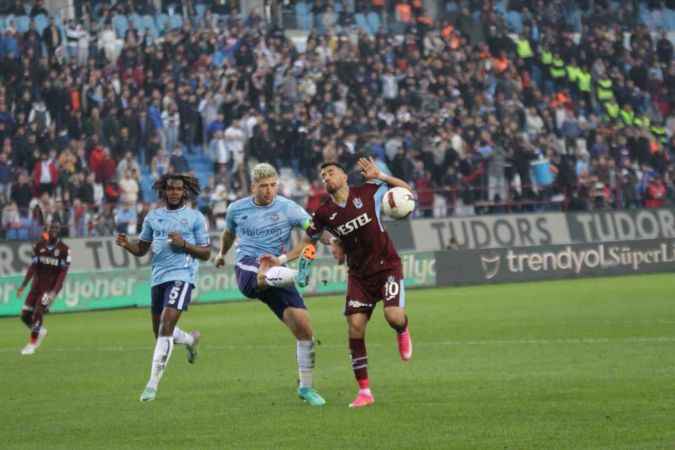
(35, 327)
(357, 348)
(401, 328)
(27, 319)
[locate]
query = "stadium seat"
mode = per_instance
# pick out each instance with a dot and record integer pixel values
(362, 22)
(3, 22)
(41, 22)
(120, 25)
(200, 10)
(162, 21)
(150, 27)
(22, 24)
(514, 21)
(374, 22)
(175, 21)
(670, 19)
(303, 16)
(136, 21)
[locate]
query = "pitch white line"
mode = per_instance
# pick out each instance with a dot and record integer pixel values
(458, 343)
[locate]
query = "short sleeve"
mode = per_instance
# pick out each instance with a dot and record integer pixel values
(230, 224)
(379, 193)
(298, 217)
(146, 231)
(65, 260)
(201, 231)
(316, 227)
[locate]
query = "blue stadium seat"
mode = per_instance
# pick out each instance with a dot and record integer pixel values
(136, 21)
(41, 22)
(120, 25)
(670, 19)
(150, 27)
(374, 22)
(303, 16)
(175, 21)
(200, 10)
(514, 21)
(22, 24)
(362, 22)
(162, 21)
(12, 234)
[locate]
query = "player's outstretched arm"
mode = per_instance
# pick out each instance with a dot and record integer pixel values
(200, 252)
(296, 251)
(26, 280)
(135, 247)
(226, 241)
(371, 172)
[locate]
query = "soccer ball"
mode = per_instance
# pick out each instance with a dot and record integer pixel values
(398, 203)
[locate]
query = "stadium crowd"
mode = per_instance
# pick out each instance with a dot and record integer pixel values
(489, 107)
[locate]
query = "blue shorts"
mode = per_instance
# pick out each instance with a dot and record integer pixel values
(172, 294)
(277, 298)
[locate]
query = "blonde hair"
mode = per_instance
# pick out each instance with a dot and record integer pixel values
(263, 170)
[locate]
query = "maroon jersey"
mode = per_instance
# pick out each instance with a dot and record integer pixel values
(50, 264)
(357, 224)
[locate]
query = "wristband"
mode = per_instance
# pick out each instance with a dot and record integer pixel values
(283, 259)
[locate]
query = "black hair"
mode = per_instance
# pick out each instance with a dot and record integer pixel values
(190, 185)
(334, 164)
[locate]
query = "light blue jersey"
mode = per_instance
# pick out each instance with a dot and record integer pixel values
(169, 263)
(264, 230)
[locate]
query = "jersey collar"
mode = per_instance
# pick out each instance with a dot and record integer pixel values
(262, 206)
(175, 210)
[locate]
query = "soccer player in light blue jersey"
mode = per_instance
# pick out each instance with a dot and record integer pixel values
(178, 236)
(263, 224)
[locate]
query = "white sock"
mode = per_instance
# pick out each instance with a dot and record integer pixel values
(160, 358)
(181, 337)
(305, 354)
(278, 276)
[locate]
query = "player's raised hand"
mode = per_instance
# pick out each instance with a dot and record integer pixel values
(368, 168)
(122, 240)
(219, 261)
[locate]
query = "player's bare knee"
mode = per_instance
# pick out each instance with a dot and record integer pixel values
(357, 330)
(395, 316)
(262, 283)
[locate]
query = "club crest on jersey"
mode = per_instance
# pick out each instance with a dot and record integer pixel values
(184, 222)
(358, 204)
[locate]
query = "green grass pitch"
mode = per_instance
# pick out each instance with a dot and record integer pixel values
(586, 364)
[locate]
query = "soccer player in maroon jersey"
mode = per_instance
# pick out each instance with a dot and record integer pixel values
(352, 215)
(50, 263)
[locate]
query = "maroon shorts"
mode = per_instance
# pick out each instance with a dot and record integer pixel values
(364, 293)
(35, 298)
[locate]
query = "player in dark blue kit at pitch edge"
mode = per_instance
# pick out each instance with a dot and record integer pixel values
(178, 236)
(263, 224)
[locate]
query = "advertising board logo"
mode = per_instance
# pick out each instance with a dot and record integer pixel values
(490, 265)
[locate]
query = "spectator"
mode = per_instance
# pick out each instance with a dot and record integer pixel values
(128, 188)
(45, 174)
(178, 162)
(125, 219)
